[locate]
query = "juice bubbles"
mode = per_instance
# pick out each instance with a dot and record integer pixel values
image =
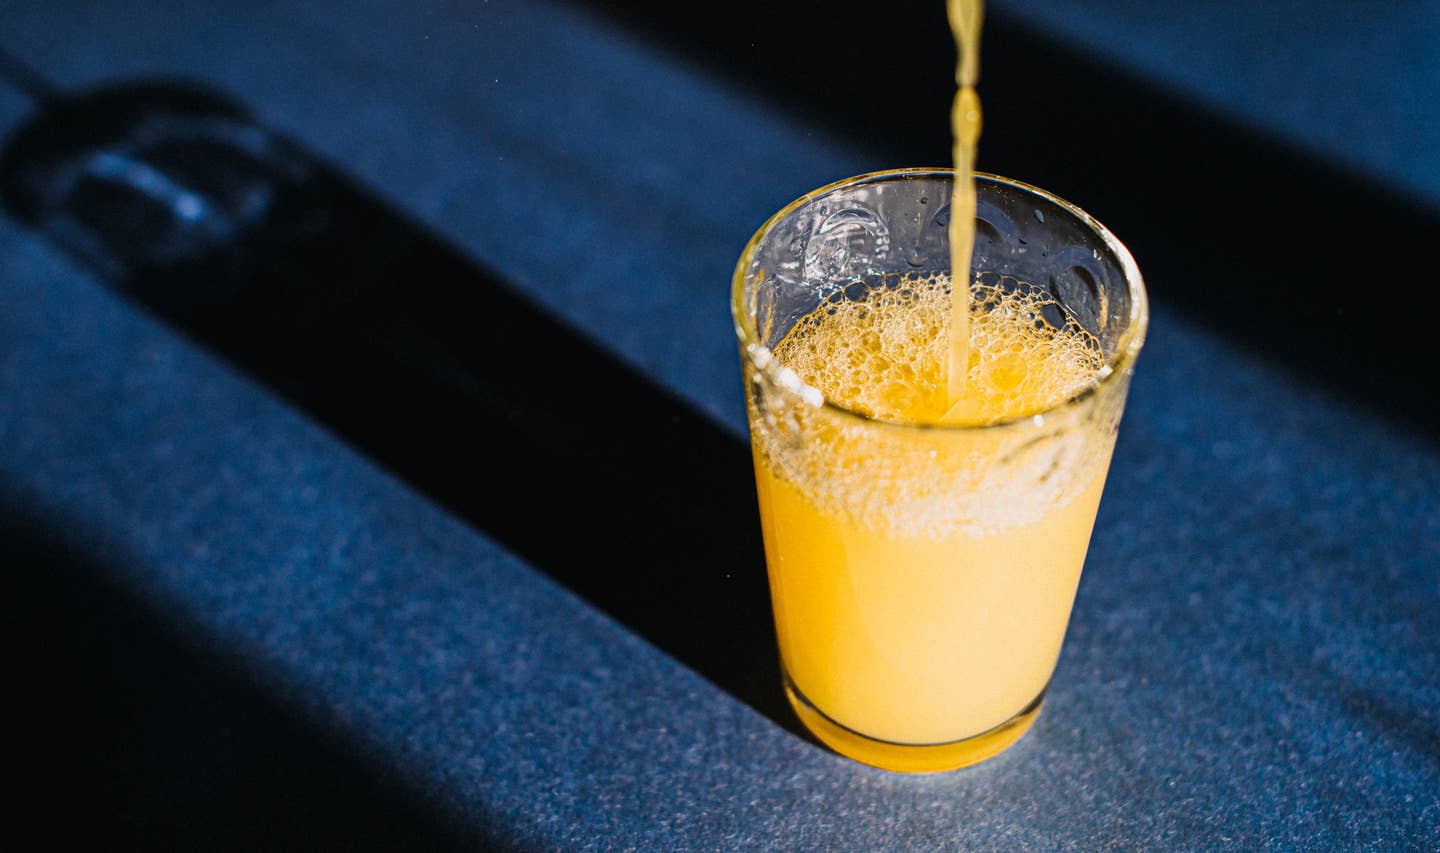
(923, 550)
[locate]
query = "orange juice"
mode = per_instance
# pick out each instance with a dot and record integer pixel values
(965, 17)
(922, 578)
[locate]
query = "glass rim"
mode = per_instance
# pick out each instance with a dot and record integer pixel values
(762, 359)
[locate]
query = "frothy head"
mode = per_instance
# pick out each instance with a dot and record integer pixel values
(881, 349)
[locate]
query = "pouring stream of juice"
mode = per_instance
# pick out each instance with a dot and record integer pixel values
(965, 16)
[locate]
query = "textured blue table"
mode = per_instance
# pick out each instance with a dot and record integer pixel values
(1252, 661)
(1354, 84)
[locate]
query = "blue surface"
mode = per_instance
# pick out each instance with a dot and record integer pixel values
(1251, 663)
(1357, 84)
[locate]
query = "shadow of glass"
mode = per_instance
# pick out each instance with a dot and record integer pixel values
(424, 360)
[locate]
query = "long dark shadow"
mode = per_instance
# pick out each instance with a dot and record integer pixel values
(1299, 261)
(420, 357)
(128, 735)
(1293, 258)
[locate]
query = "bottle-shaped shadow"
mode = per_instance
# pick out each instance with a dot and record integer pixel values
(423, 359)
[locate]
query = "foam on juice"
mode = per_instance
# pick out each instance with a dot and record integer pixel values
(884, 355)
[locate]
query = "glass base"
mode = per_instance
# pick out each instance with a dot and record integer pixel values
(912, 758)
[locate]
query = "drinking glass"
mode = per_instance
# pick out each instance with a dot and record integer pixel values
(922, 574)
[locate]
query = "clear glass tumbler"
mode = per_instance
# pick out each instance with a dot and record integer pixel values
(922, 571)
